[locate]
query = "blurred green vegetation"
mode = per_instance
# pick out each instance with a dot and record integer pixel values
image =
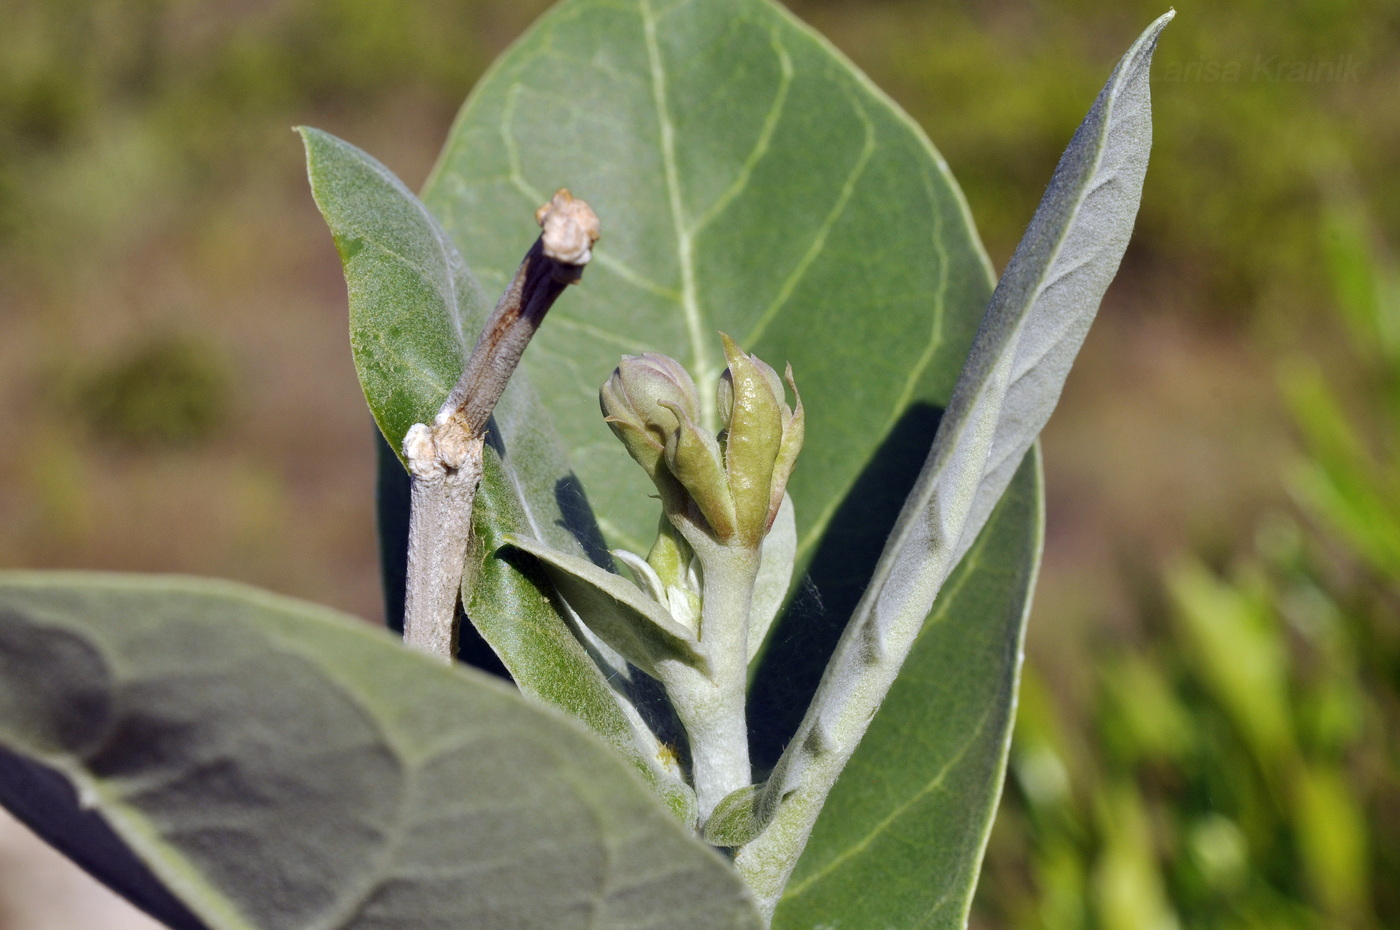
(125, 115)
(108, 106)
(1228, 755)
(169, 390)
(1238, 764)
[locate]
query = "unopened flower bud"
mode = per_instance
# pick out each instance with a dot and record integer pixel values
(762, 439)
(735, 481)
(753, 435)
(725, 391)
(639, 403)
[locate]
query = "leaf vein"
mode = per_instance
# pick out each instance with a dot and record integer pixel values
(818, 243)
(929, 787)
(702, 362)
(761, 144)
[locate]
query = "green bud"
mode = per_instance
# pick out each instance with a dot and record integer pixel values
(725, 390)
(752, 439)
(673, 562)
(794, 432)
(735, 481)
(637, 404)
(670, 555)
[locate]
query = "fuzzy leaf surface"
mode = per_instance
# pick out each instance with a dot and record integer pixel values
(899, 841)
(278, 765)
(774, 579)
(624, 616)
(1048, 297)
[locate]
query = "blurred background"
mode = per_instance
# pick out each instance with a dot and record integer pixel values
(1208, 730)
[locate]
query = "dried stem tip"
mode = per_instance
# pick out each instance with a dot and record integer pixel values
(570, 227)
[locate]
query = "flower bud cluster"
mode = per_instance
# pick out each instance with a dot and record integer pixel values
(734, 481)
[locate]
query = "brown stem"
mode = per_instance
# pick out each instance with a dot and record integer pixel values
(444, 459)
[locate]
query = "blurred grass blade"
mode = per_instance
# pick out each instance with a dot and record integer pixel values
(1128, 887)
(279, 765)
(1239, 648)
(1037, 319)
(1341, 481)
(1332, 841)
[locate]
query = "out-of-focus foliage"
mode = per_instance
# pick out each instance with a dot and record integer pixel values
(103, 103)
(168, 390)
(112, 112)
(1241, 761)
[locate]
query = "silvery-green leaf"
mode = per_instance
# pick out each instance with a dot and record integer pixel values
(1047, 299)
(645, 575)
(513, 606)
(1037, 320)
(279, 766)
(614, 608)
(912, 809)
(1035, 324)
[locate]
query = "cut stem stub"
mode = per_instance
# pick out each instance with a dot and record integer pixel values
(444, 459)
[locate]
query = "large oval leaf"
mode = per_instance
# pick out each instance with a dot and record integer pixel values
(277, 765)
(749, 180)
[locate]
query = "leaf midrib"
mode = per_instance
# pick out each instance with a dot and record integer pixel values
(974, 560)
(685, 247)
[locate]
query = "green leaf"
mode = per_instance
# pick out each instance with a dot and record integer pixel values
(511, 604)
(748, 180)
(413, 304)
(900, 839)
(415, 307)
(278, 765)
(46, 802)
(626, 618)
(1043, 305)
